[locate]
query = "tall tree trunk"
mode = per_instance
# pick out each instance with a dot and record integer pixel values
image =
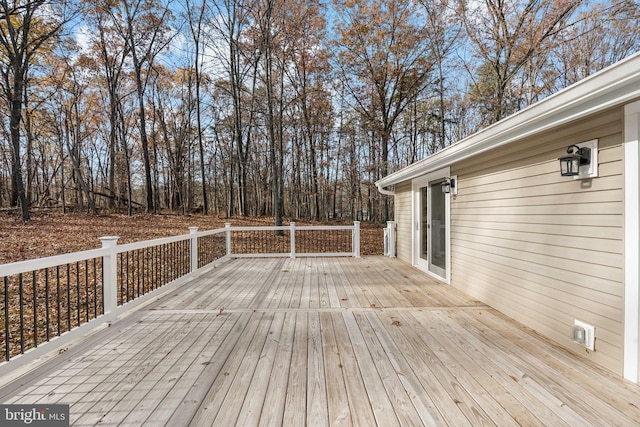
(127, 158)
(196, 32)
(203, 173)
(113, 201)
(384, 171)
(74, 154)
(17, 183)
(29, 137)
(275, 142)
(280, 157)
(62, 183)
(144, 140)
(236, 94)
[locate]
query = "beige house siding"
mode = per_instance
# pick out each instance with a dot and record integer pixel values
(541, 248)
(403, 218)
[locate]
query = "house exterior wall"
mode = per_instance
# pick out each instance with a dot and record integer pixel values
(541, 248)
(404, 221)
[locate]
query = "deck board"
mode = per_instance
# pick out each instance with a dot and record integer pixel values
(360, 408)
(317, 410)
(324, 341)
(295, 412)
(274, 403)
(338, 402)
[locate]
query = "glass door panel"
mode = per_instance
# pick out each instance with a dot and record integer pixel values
(438, 229)
(424, 224)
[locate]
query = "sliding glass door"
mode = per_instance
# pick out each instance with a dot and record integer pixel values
(438, 226)
(431, 225)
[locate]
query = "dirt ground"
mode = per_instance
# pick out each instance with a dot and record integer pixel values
(50, 233)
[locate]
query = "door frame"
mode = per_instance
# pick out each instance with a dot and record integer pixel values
(416, 207)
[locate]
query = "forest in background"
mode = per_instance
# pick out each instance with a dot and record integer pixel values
(270, 107)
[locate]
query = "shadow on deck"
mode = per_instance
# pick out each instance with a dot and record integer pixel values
(323, 341)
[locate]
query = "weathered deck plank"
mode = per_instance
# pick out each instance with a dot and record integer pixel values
(275, 399)
(360, 408)
(317, 410)
(295, 412)
(338, 402)
(324, 342)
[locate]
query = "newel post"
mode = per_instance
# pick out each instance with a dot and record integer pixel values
(292, 238)
(227, 227)
(193, 231)
(390, 241)
(355, 239)
(110, 277)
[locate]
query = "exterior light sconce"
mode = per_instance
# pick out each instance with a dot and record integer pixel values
(577, 156)
(449, 186)
(581, 160)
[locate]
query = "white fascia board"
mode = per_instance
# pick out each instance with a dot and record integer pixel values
(615, 85)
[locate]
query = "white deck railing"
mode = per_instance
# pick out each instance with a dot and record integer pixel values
(67, 295)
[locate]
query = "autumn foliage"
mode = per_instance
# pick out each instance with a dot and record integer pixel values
(265, 107)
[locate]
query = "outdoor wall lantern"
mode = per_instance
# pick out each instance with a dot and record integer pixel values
(449, 186)
(577, 156)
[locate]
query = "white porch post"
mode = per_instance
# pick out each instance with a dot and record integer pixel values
(227, 225)
(355, 239)
(110, 277)
(194, 248)
(292, 238)
(391, 239)
(632, 242)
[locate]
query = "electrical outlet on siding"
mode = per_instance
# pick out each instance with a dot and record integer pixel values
(584, 334)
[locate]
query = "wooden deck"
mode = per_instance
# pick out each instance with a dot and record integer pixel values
(324, 342)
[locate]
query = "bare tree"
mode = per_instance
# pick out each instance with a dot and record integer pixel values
(196, 18)
(384, 57)
(144, 28)
(507, 36)
(27, 27)
(238, 53)
(444, 35)
(111, 53)
(273, 116)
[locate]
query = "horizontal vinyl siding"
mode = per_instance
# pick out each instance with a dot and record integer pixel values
(541, 248)
(403, 219)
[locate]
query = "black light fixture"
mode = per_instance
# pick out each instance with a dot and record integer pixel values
(448, 185)
(577, 156)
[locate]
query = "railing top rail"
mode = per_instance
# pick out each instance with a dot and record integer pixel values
(150, 243)
(165, 240)
(261, 228)
(288, 227)
(210, 232)
(48, 262)
(325, 227)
